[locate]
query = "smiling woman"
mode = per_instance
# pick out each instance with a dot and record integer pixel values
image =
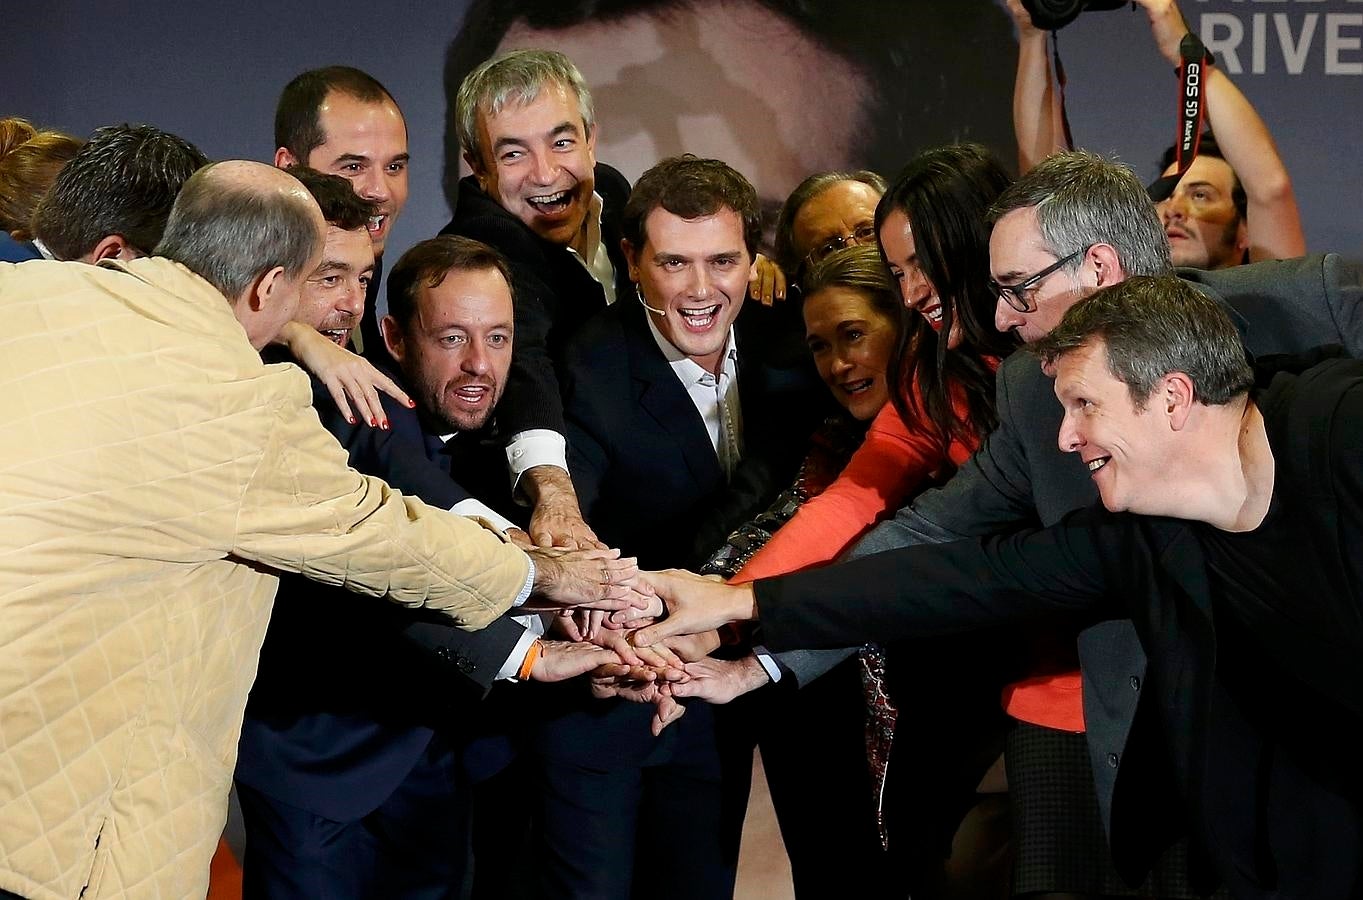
(934, 236)
(853, 320)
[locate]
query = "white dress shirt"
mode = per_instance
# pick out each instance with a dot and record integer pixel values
(705, 391)
(534, 623)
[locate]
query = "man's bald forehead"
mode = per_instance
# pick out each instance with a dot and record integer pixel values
(247, 175)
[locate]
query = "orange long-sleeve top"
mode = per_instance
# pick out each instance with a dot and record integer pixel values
(891, 465)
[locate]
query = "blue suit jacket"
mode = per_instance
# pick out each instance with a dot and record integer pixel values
(649, 481)
(350, 692)
(13, 251)
(646, 474)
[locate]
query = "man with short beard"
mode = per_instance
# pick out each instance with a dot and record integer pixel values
(156, 477)
(1234, 203)
(352, 772)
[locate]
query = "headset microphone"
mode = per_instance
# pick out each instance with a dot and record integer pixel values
(661, 313)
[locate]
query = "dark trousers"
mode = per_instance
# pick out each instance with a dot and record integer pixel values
(414, 846)
(641, 817)
(813, 743)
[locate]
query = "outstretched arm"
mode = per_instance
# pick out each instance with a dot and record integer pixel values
(913, 592)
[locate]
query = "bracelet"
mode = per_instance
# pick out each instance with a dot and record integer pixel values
(531, 655)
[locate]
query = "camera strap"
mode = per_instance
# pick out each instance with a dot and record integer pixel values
(1192, 111)
(1060, 82)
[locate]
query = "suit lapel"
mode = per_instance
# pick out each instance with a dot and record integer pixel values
(407, 426)
(614, 191)
(659, 394)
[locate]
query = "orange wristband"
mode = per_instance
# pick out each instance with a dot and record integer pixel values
(531, 655)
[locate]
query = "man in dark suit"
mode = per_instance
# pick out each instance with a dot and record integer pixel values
(679, 428)
(359, 736)
(527, 127)
(1230, 507)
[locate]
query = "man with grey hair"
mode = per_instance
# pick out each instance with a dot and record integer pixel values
(537, 194)
(156, 473)
(527, 127)
(1229, 507)
(260, 269)
(1075, 223)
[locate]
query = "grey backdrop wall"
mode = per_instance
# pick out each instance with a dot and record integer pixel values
(212, 74)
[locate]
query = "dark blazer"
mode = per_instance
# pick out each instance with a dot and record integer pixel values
(645, 472)
(348, 694)
(1275, 791)
(555, 295)
(650, 483)
(371, 335)
(1019, 478)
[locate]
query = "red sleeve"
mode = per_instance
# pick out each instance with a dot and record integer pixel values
(888, 467)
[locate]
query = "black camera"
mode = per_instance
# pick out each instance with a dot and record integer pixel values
(1051, 15)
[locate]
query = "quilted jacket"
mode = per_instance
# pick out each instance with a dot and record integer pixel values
(153, 473)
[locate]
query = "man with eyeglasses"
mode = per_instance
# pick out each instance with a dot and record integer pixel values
(1019, 296)
(863, 235)
(1073, 224)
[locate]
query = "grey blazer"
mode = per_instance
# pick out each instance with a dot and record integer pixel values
(1019, 477)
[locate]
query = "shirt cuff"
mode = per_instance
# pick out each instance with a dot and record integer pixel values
(524, 595)
(517, 656)
(536, 447)
(768, 663)
(535, 623)
(479, 510)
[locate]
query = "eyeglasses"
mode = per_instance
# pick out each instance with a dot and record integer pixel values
(863, 234)
(1017, 295)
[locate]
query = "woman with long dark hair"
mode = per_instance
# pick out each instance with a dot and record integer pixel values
(933, 231)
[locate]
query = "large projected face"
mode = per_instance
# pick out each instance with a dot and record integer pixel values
(687, 80)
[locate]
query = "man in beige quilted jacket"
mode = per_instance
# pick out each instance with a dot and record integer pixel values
(155, 473)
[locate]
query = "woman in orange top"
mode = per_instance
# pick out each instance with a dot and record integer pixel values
(934, 235)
